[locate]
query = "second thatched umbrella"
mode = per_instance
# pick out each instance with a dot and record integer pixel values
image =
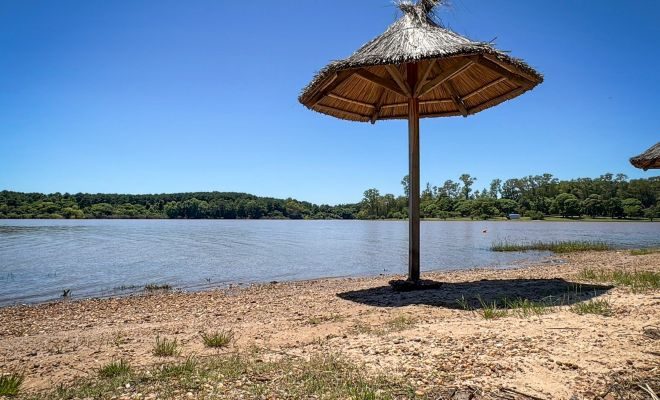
(648, 159)
(417, 69)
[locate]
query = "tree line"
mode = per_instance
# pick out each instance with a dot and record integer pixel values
(536, 197)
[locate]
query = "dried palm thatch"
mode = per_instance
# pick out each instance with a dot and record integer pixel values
(417, 69)
(455, 75)
(648, 159)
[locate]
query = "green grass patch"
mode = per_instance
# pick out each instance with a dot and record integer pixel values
(526, 308)
(166, 348)
(569, 246)
(325, 377)
(10, 384)
(491, 310)
(636, 280)
(598, 307)
(218, 339)
(114, 369)
(185, 368)
(643, 252)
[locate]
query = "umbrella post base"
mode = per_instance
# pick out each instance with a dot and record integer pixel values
(400, 285)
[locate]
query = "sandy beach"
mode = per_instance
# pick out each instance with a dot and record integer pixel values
(438, 341)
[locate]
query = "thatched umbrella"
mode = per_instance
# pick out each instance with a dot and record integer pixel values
(648, 159)
(417, 69)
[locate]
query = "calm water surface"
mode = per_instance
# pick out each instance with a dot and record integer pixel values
(39, 258)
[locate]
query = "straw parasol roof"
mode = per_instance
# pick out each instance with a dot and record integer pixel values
(417, 69)
(457, 76)
(648, 159)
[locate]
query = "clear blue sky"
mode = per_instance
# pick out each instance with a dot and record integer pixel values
(171, 96)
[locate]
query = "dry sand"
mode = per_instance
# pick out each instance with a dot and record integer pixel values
(425, 337)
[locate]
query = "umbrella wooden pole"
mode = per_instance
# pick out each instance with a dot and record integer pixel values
(413, 175)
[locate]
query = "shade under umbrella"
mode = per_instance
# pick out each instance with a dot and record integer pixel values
(417, 69)
(650, 159)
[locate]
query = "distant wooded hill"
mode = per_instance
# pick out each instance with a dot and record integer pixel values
(609, 195)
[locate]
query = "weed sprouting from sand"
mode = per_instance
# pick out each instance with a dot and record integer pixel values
(598, 307)
(525, 307)
(328, 376)
(463, 303)
(394, 324)
(519, 306)
(554, 246)
(165, 347)
(152, 287)
(362, 328)
(490, 310)
(10, 384)
(178, 369)
(636, 280)
(118, 339)
(218, 339)
(400, 323)
(114, 369)
(643, 252)
(324, 318)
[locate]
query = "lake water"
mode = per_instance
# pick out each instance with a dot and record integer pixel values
(40, 258)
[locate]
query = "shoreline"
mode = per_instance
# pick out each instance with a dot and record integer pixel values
(548, 218)
(417, 337)
(140, 290)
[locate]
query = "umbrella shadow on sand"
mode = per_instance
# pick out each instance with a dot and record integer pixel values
(480, 294)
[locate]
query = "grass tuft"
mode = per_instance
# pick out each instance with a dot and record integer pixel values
(218, 339)
(491, 310)
(165, 347)
(179, 369)
(463, 303)
(598, 307)
(637, 280)
(555, 246)
(525, 307)
(400, 323)
(325, 318)
(114, 369)
(643, 252)
(10, 384)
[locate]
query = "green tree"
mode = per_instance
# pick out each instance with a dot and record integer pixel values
(593, 205)
(567, 205)
(468, 181)
(507, 206)
(652, 212)
(632, 208)
(405, 182)
(495, 188)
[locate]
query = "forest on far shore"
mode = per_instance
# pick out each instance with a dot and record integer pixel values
(535, 197)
